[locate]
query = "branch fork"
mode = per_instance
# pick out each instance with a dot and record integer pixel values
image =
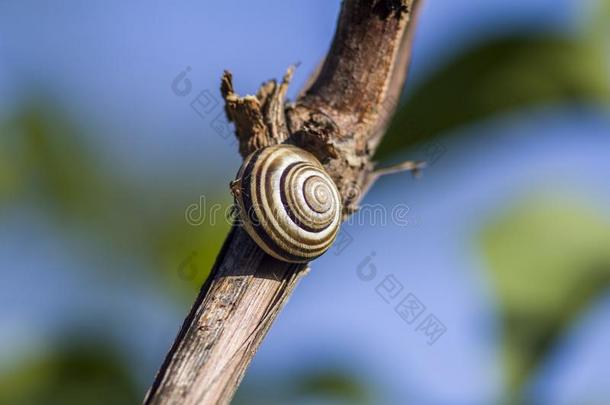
(338, 118)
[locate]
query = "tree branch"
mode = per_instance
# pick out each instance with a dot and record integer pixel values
(340, 119)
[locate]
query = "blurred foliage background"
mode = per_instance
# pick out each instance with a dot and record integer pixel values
(101, 259)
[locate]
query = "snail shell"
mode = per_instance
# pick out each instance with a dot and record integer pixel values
(287, 202)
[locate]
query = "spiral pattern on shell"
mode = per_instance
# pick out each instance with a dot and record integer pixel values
(288, 203)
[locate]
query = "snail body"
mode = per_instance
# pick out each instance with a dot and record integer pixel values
(287, 202)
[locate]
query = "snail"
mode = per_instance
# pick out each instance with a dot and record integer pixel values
(287, 203)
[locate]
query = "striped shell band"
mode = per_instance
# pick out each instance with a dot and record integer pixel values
(287, 203)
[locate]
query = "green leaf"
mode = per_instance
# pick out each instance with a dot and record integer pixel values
(186, 253)
(11, 177)
(45, 155)
(330, 383)
(599, 27)
(79, 373)
(549, 259)
(497, 77)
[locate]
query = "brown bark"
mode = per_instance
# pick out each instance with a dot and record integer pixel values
(340, 117)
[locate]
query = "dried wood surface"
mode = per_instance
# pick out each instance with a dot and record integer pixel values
(340, 117)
